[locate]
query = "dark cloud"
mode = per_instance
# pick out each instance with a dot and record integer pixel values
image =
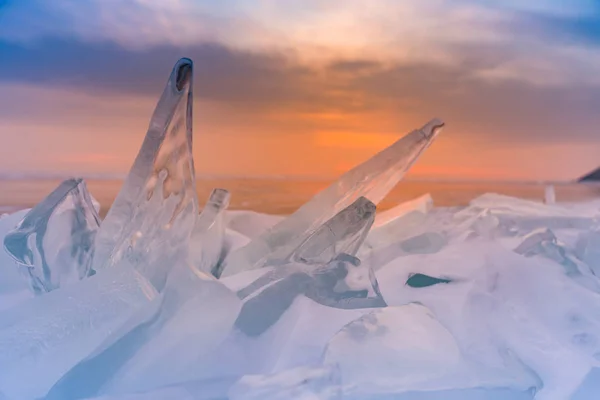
(492, 111)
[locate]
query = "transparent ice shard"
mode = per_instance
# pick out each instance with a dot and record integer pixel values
(14, 280)
(208, 237)
(342, 283)
(55, 240)
(422, 204)
(373, 179)
(43, 338)
(150, 222)
(299, 383)
(344, 233)
(544, 243)
(587, 249)
(549, 195)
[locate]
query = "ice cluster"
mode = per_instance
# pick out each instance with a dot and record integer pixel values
(161, 300)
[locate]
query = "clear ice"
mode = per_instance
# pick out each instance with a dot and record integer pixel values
(151, 220)
(344, 233)
(54, 243)
(337, 239)
(208, 236)
(372, 179)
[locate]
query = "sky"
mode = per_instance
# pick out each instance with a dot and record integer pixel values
(305, 88)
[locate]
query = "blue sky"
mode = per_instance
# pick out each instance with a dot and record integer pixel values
(306, 87)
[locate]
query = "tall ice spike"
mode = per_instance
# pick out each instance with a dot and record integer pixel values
(150, 222)
(372, 179)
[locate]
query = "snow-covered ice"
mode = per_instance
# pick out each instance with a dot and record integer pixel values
(499, 299)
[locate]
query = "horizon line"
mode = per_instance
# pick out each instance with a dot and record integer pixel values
(296, 178)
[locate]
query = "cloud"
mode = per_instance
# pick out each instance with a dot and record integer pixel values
(283, 91)
(540, 41)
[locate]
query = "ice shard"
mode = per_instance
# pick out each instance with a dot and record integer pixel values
(342, 283)
(13, 281)
(43, 338)
(422, 204)
(373, 179)
(150, 222)
(342, 234)
(54, 242)
(208, 236)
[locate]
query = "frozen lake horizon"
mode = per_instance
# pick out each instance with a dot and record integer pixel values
(283, 196)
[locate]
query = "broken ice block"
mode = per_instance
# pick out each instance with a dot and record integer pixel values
(344, 233)
(587, 249)
(527, 215)
(543, 243)
(43, 338)
(373, 179)
(150, 222)
(422, 204)
(12, 279)
(549, 195)
(298, 383)
(342, 283)
(395, 351)
(55, 240)
(208, 237)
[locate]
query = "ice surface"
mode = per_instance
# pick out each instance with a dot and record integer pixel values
(150, 221)
(399, 350)
(207, 242)
(43, 338)
(54, 242)
(300, 384)
(373, 179)
(197, 314)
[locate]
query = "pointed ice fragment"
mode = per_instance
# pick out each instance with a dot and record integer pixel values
(342, 234)
(208, 237)
(373, 179)
(150, 222)
(54, 241)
